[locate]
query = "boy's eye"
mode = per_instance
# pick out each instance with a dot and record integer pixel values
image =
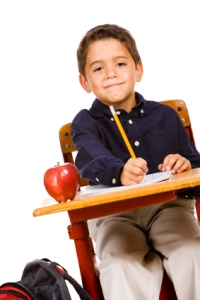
(121, 64)
(98, 69)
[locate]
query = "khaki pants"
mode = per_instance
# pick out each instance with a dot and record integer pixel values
(130, 270)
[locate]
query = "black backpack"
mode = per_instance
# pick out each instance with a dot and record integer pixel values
(42, 279)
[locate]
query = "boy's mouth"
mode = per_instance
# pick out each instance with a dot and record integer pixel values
(113, 85)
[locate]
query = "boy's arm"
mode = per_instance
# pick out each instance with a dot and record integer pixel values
(187, 158)
(187, 155)
(93, 160)
(99, 166)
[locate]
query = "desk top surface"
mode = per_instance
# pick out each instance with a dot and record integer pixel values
(180, 181)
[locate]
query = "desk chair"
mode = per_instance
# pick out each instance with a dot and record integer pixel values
(79, 230)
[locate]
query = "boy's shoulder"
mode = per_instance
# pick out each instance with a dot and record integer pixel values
(97, 110)
(81, 116)
(152, 104)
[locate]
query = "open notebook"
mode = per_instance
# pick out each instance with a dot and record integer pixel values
(157, 177)
(148, 179)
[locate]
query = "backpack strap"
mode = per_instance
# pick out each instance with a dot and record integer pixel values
(80, 290)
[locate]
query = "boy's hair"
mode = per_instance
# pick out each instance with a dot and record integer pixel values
(103, 32)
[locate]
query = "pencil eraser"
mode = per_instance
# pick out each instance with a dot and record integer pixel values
(112, 109)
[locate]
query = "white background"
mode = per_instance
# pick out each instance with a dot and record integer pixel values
(39, 92)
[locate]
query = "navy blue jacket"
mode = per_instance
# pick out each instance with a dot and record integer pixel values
(154, 130)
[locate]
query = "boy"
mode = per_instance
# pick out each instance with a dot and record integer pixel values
(126, 243)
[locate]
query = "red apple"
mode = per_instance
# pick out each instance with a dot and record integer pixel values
(62, 182)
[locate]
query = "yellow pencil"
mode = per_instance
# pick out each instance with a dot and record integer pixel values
(122, 132)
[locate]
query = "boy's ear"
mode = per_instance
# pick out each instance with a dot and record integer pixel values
(84, 83)
(139, 71)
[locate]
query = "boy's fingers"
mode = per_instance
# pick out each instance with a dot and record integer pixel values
(170, 162)
(175, 163)
(137, 165)
(181, 165)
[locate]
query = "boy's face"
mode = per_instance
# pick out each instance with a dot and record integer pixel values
(111, 73)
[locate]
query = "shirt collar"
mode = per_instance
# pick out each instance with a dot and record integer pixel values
(139, 109)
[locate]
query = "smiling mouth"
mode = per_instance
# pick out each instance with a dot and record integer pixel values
(113, 85)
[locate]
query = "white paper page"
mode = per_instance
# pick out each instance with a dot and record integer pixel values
(100, 189)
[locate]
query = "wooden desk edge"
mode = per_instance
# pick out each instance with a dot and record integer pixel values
(181, 181)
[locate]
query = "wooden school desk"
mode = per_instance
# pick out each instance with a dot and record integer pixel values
(115, 200)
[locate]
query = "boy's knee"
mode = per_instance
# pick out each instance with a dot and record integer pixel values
(187, 253)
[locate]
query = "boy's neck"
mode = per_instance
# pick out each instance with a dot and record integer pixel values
(127, 106)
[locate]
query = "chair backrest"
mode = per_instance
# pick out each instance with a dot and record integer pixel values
(67, 146)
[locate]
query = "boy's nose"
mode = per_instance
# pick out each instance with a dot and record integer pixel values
(111, 73)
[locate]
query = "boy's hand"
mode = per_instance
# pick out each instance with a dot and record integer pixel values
(175, 163)
(133, 171)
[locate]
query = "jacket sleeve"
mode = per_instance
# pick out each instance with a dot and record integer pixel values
(93, 160)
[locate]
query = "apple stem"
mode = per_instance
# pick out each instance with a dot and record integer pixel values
(58, 163)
